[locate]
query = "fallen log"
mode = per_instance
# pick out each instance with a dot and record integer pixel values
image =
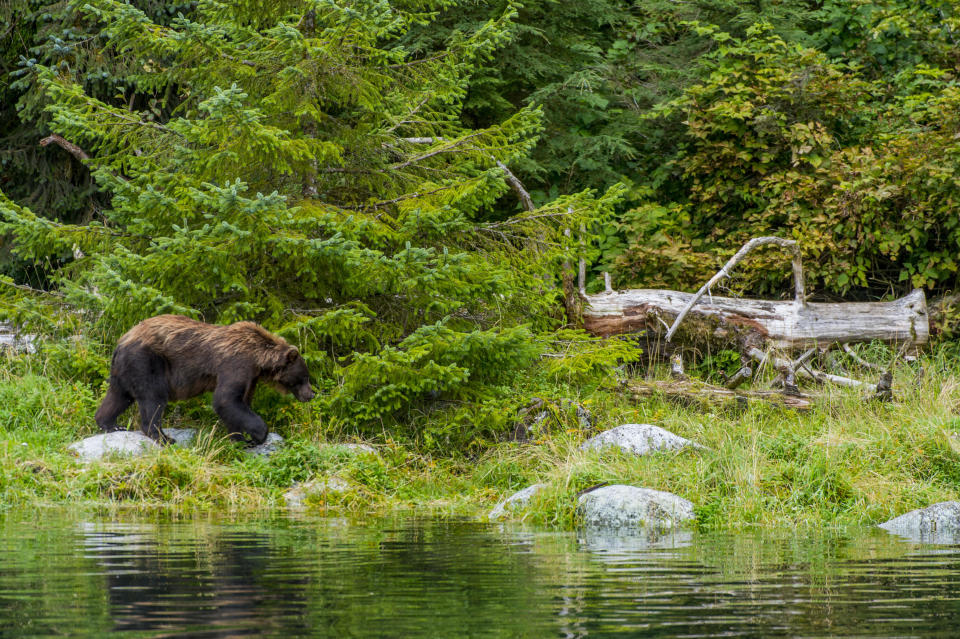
(746, 323)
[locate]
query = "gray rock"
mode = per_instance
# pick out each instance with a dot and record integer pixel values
(181, 436)
(119, 443)
(271, 444)
(301, 490)
(584, 418)
(639, 439)
(936, 524)
(514, 501)
(633, 508)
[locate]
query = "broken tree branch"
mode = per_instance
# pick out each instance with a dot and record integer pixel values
(859, 360)
(739, 255)
(517, 186)
(783, 364)
(739, 377)
(66, 145)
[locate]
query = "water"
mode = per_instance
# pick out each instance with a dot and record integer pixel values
(63, 575)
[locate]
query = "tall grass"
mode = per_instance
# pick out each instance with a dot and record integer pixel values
(848, 461)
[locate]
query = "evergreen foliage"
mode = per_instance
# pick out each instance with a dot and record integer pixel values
(335, 170)
(304, 171)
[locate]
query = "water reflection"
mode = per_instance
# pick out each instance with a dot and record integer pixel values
(216, 583)
(410, 578)
(609, 543)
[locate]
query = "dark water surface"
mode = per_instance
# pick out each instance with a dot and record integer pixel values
(62, 575)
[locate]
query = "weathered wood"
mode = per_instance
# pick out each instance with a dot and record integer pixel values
(13, 340)
(798, 284)
(778, 324)
(859, 360)
(742, 375)
(799, 368)
(690, 391)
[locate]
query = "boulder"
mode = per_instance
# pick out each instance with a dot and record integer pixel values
(514, 501)
(634, 509)
(270, 445)
(301, 490)
(118, 443)
(936, 524)
(639, 439)
(183, 437)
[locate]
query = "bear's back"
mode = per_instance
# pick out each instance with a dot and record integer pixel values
(180, 338)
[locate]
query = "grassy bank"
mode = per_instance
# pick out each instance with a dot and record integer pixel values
(846, 462)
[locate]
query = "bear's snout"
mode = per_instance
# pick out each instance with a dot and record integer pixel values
(304, 393)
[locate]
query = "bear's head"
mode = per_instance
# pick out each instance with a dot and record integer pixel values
(294, 377)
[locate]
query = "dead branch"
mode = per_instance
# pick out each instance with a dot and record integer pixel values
(686, 391)
(66, 145)
(799, 369)
(859, 360)
(739, 377)
(737, 323)
(739, 255)
(517, 186)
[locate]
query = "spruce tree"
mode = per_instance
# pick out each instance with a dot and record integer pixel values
(306, 171)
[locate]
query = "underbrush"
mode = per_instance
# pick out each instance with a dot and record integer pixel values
(848, 461)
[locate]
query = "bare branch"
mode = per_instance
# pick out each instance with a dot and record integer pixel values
(859, 360)
(67, 146)
(725, 272)
(803, 371)
(525, 218)
(444, 149)
(517, 186)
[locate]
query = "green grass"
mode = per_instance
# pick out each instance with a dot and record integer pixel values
(847, 462)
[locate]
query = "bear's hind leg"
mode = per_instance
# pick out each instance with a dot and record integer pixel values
(114, 403)
(145, 377)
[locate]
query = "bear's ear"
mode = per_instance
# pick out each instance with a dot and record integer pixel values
(292, 354)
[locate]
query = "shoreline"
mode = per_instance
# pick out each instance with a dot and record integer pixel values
(844, 463)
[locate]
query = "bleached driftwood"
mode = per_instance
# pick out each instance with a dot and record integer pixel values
(798, 284)
(760, 323)
(750, 326)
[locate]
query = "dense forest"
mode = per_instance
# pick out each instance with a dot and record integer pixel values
(392, 185)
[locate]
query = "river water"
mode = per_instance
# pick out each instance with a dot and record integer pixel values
(69, 575)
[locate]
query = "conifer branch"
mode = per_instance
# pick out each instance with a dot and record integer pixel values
(406, 196)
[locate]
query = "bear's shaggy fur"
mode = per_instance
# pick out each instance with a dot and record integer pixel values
(171, 357)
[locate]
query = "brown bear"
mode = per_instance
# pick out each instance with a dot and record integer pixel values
(171, 357)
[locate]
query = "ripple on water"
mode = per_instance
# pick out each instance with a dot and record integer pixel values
(443, 578)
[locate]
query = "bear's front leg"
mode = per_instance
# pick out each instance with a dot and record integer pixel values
(228, 401)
